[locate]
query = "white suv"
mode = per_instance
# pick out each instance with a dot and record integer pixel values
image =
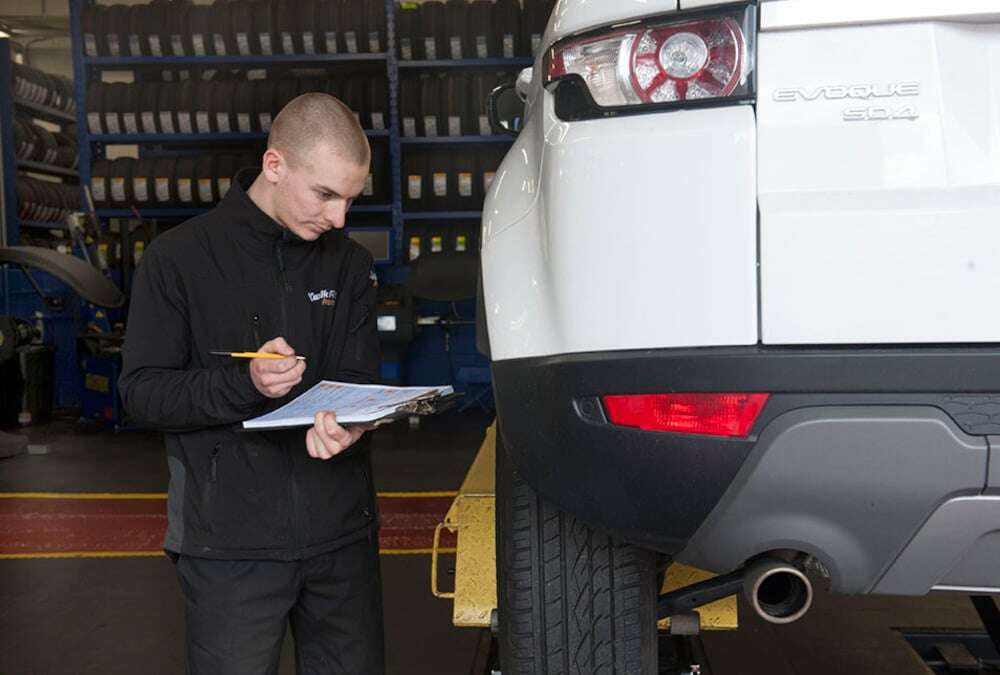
(737, 275)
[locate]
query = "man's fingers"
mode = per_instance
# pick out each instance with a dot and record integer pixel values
(277, 346)
(334, 430)
(279, 365)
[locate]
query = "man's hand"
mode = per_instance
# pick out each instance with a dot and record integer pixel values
(275, 377)
(327, 439)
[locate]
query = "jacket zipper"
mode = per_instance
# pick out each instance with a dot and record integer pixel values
(285, 289)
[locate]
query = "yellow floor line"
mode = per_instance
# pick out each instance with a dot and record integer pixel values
(163, 495)
(157, 554)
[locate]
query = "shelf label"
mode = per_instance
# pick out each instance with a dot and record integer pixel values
(286, 42)
(198, 42)
(243, 42)
(437, 243)
(178, 44)
(90, 44)
(117, 189)
(140, 189)
(222, 122)
(465, 183)
(409, 127)
(369, 186)
(440, 184)
(461, 243)
(482, 50)
(378, 121)
(430, 125)
(184, 122)
(111, 122)
(166, 122)
(430, 49)
(351, 41)
(94, 122)
(508, 46)
(131, 123)
(414, 248)
(484, 126)
(149, 122)
(265, 43)
(331, 42)
(134, 46)
(114, 46)
(154, 45)
(454, 125)
(205, 189)
(184, 190)
(406, 49)
(220, 44)
(224, 186)
(456, 47)
(243, 122)
(308, 43)
(265, 121)
(415, 186)
(374, 42)
(98, 189)
(488, 177)
(162, 186)
(203, 121)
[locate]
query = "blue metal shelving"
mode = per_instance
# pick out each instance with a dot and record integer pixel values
(517, 62)
(51, 169)
(191, 212)
(45, 112)
(43, 225)
(130, 139)
(456, 140)
(126, 62)
(20, 297)
(442, 215)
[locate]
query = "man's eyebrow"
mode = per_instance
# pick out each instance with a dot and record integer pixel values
(323, 188)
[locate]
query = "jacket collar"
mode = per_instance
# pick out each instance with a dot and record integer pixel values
(239, 202)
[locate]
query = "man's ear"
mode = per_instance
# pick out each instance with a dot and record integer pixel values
(273, 165)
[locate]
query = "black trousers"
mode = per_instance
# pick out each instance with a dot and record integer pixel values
(237, 611)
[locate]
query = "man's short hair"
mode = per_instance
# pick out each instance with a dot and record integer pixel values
(314, 118)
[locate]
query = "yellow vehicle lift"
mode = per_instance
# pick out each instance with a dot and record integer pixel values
(471, 517)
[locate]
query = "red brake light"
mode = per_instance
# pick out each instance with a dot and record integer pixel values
(679, 60)
(728, 414)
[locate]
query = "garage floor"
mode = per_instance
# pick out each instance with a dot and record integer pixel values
(123, 614)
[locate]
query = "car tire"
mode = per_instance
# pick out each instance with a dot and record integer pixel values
(572, 600)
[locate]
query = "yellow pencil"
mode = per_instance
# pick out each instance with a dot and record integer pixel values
(254, 355)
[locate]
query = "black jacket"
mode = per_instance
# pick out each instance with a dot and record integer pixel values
(233, 279)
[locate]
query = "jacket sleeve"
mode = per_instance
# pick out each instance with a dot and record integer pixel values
(158, 387)
(361, 360)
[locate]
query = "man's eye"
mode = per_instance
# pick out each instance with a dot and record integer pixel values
(325, 195)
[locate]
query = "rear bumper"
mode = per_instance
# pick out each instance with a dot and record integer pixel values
(671, 492)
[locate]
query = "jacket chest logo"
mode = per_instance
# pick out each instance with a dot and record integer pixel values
(327, 297)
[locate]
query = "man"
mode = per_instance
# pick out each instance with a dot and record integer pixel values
(275, 527)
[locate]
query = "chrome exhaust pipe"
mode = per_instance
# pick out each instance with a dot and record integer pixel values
(777, 590)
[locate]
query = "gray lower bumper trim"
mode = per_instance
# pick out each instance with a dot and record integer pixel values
(850, 485)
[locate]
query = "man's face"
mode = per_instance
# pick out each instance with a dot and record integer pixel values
(313, 197)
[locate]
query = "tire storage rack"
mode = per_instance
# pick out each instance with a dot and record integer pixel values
(208, 78)
(41, 186)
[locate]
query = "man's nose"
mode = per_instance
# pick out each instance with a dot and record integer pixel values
(335, 213)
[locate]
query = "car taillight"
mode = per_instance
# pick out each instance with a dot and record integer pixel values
(662, 61)
(724, 414)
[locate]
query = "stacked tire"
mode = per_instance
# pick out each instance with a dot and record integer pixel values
(35, 143)
(35, 86)
(471, 29)
(447, 105)
(221, 106)
(45, 201)
(440, 181)
(234, 27)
